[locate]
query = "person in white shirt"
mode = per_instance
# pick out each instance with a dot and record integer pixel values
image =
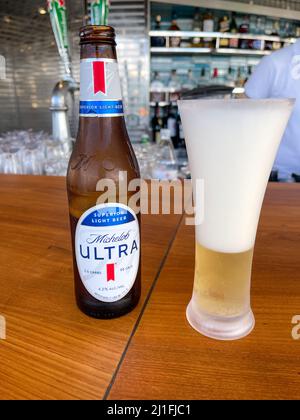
(278, 76)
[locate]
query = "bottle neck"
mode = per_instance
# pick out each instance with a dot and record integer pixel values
(100, 87)
(98, 51)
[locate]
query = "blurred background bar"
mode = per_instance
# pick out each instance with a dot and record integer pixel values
(33, 66)
(166, 49)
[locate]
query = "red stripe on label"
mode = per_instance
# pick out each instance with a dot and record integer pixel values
(99, 77)
(110, 272)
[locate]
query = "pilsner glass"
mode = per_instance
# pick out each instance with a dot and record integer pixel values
(231, 145)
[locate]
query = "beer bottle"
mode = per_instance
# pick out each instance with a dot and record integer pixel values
(105, 236)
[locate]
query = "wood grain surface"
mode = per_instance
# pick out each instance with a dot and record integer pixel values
(52, 350)
(167, 359)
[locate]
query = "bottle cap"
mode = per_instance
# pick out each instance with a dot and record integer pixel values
(97, 34)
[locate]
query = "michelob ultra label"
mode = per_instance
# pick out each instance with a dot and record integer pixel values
(107, 247)
(100, 88)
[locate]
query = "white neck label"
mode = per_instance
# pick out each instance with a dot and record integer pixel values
(100, 88)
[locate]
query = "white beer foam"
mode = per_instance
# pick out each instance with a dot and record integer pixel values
(232, 145)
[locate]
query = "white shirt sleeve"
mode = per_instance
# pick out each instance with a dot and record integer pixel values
(260, 84)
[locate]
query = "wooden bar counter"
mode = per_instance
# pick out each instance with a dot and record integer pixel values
(167, 359)
(53, 351)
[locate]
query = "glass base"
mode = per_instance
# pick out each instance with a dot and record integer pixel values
(220, 328)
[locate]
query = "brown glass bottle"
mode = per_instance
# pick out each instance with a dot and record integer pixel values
(105, 237)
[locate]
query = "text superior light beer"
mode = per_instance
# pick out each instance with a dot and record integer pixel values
(231, 146)
(106, 237)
